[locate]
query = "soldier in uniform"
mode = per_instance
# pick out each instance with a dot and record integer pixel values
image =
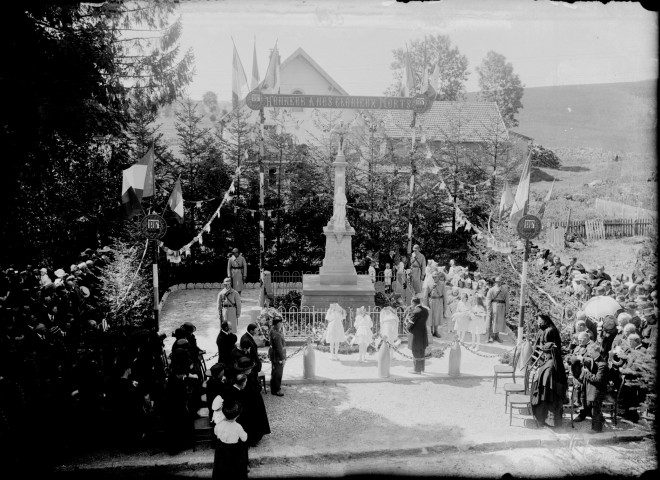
(418, 269)
(237, 270)
(434, 297)
(497, 306)
(229, 305)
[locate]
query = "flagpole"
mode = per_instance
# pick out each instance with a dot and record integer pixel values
(523, 281)
(261, 193)
(155, 247)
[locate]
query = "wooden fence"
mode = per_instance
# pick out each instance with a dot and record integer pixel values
(605, 228)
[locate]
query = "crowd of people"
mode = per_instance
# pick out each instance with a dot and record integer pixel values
(57, 349)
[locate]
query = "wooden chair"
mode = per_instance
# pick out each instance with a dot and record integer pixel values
(262, 379)
(521, 388)
(521, 400)
(506, 371)
(516, 389)
(571, 398)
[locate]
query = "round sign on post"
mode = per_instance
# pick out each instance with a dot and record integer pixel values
(153, 226)
(529, 226)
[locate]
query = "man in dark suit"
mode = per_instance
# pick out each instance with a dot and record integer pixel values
(594, 381)
(225, 342)
(277, 356)
(253, 352)
(419, 314)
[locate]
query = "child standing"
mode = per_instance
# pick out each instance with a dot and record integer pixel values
(387, 274)
(462, 316)
(231, 451)
(372, 273)
(363, 335)
(478, 321)
(335, 330)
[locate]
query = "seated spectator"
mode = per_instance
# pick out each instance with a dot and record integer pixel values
(600, 275)
(591, 325)
(649, 332)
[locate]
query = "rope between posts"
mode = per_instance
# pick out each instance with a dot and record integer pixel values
(479, 354)
(444, 347)
(300, 349)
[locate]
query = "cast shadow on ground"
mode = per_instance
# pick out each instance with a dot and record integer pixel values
(574, 169)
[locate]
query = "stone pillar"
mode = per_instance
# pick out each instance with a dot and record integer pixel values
(338, 267)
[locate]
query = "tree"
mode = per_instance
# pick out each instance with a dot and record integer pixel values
(73, 70)
(425, 54)
(499, 84)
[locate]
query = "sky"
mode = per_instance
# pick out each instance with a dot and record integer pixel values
(548, 43)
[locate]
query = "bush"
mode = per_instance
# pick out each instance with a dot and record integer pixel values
(291, 299)
(543, 157)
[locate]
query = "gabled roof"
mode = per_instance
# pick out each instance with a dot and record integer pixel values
(302, 53)
(455, 121)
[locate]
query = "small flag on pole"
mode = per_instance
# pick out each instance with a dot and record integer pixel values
(175, 201)
(545, 201)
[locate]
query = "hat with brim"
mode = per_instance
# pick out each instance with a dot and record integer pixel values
(43, 270)
(59, 273)
(277, 320)
(85, 291)
(231, 410)
(243, 364)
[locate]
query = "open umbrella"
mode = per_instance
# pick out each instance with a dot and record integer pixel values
(601, 306)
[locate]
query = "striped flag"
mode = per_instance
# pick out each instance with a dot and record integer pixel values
(254, 82)
(506, 201)
(148, 161)
(408, 80)
(521, 200)
(271, 81)
(175, 201)
(239, 84)
(545, 202)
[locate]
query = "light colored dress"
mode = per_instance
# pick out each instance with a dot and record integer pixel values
(335, 331)
(363, 334)
(389, 324)
(462, 316)
(478, 323)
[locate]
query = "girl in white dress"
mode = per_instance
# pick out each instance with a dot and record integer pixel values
(389, 326)
(334, 333)
(363, 334)
(478, 322)
(462, 316)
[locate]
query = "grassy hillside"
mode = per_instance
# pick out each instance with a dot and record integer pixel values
(616, 117)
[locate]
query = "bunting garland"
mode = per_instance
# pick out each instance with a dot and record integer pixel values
(174, 256)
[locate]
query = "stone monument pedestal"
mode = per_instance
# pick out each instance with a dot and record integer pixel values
(337, 281)
(315, 294)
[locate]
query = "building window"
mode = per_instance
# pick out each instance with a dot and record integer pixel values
(297, 92)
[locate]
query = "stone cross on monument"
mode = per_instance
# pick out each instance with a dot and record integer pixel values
(338, 281)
